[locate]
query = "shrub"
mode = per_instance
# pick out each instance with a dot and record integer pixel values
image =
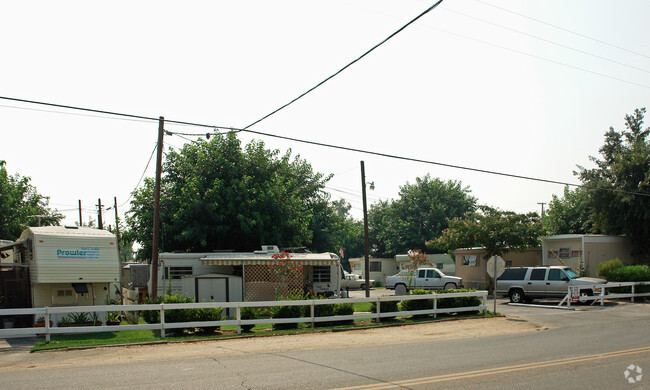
(447, 303)
(327, 310)
(631, 273)
(606, 268)
(386, 307)
(249, 313)
(419, 304)
(288, 311)
(181, 315)
(344, 309)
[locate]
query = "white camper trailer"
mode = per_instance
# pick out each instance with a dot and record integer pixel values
(69, 266)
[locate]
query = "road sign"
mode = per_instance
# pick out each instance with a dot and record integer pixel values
(500, 266)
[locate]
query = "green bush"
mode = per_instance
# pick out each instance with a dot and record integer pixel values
(448, 303)
(419, 304)
(249, 313)
(630, 273)
(288, 311)
(181, 315)
(605, 269)
(344, 309)
(386, 307)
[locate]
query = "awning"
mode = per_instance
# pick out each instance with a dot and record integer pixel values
(209, 261)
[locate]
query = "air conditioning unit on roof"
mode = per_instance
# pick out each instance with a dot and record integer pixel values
(270, 249)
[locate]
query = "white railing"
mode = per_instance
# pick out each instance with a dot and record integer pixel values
(162, 326)
(601, 293)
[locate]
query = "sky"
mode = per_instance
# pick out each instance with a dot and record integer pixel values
(518, 87)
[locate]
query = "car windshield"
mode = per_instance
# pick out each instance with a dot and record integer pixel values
(571, 274)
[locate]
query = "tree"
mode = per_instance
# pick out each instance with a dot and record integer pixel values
(22, 206)
(333, 229)
(499, 232)
(214, 195)
(420, 214)
(569, 214)
(619, 194)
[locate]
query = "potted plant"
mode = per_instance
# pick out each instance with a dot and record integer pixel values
(114, 318)
(40, 322)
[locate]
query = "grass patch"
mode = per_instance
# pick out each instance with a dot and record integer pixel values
(147, 336)
(362, 306)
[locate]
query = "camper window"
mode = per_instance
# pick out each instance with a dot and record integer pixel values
(321, 273)
(177, 272)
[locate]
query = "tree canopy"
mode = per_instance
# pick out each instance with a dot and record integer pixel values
(420, 214)
(569, 214)
(620, 200)
(216, 195)
(22, 206)
(499, 232)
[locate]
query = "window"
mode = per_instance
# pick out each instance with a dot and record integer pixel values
(538, 274)
(470, 261)
(321, 273)
(564, 253)
(513, 274)
(557, 274)
(439, 265)
(375, 266)
(357, 267)
(177, 272)
(63, 293)
(508, 263)
(576, 253)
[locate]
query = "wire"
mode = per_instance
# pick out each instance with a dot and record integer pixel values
(142, 176)
(564, 29)
(546, 40)
(346, 66)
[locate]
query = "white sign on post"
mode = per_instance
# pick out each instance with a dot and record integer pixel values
(500, 266)
(575, 293)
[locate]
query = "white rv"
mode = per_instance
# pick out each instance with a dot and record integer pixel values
(69, 266)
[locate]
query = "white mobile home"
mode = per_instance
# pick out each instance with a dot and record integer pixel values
(69, 266)
(248, 271)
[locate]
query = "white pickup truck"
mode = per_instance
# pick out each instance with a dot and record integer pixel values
(425, 278)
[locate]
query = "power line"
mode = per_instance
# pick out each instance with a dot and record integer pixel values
(141, 177)
(346, 66)
(350, 149)
(564, 29)
(547, 40)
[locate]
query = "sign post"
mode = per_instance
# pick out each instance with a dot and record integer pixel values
(495, 267)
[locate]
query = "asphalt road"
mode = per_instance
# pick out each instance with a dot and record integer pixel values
(590, 347)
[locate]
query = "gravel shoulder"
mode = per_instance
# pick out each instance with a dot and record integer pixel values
(455, 329)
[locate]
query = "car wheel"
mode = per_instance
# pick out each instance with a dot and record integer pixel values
(400, 289)
(517, 296)
(450, 286)
(363, 287)
(585, 293)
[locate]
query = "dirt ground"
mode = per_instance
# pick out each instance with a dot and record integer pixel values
(456, 329)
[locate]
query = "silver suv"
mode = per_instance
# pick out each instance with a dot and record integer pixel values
(528, 283)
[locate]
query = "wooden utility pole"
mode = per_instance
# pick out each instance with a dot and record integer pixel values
(156, 212)
(100, 224)
(81, 223)
(117, 227)
(365, 228)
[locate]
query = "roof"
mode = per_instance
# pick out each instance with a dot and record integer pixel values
(250, 258)
(67, 231)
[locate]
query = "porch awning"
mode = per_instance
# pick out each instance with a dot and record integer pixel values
(208, 261)
(265, 259)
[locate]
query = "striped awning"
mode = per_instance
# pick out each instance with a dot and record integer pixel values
(213, 261)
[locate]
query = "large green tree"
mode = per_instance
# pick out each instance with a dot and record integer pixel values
(620, 200)
(22, 206)
(569, 214)
(499, 232)
(420, 214)
(217, 195)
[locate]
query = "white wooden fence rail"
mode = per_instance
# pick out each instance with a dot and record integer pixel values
(47, 330)
(603, 293)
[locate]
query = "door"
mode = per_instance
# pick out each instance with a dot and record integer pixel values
(212, 289)
(536, 285)
(557, 283)
(429, 279)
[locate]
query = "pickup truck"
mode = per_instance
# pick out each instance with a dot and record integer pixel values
(425, 278)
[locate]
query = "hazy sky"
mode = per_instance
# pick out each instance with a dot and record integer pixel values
(519, 87)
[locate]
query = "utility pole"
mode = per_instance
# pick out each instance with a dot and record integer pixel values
(365, 228)
(100, 224)
(117, 226)
(156, 212)
(80, 219)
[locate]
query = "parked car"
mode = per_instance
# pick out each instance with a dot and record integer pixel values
(355, 281)
(528, 283)
(425, 278)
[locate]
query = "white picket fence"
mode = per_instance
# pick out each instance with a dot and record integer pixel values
(603, 293)
(48, 312)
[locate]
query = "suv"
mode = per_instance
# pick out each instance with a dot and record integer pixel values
(528, 283)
